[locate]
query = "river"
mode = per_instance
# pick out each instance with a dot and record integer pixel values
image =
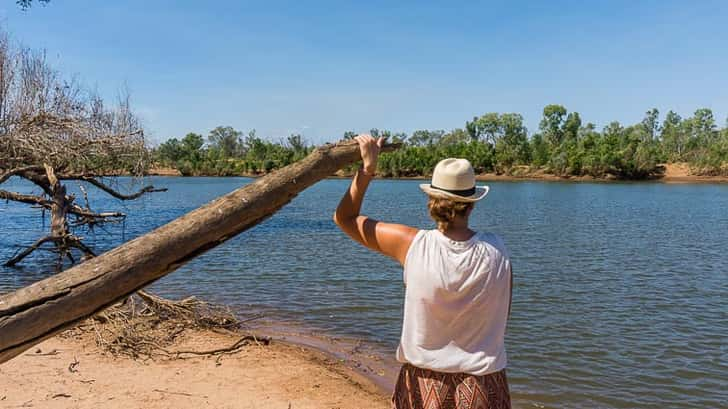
(620, 297)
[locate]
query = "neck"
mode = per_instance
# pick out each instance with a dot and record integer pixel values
(458, 230)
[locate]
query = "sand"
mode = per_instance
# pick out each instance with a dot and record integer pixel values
(72, 372)
(681, 173)
(163, 171)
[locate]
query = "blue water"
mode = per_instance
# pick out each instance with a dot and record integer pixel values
(620, 298)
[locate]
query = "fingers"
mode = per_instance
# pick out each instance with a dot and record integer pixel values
(380, 141)
(365, 139)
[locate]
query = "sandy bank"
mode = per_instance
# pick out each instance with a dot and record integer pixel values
(163, 171)
(72, 372)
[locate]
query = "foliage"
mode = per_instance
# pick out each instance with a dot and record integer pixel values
(227, 152)
(493, 142)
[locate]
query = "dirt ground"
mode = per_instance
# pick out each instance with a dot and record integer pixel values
(72, 372)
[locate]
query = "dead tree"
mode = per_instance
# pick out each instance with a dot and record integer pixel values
(34, 313)
(53, 132)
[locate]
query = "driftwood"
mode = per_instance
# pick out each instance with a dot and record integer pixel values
(36, 312)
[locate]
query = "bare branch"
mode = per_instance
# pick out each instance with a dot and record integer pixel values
(111, 191)
(76, 242)
(29, 199)
(52, 129)
(39, 179)
(25, 253)
(63, 246)
(75, 142)
(87, 216)
(19, 171)
(45, 118)
(81, 212)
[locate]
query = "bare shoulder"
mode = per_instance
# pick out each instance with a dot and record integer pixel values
(401, 230)
(395, 239)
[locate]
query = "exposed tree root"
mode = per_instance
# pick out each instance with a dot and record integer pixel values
(245, 340)
(144, 325)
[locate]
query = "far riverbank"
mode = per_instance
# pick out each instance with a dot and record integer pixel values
(672, 173)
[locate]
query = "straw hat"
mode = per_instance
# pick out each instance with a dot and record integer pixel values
(454, 179)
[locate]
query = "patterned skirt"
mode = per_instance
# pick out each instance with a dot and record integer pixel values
(419, 388)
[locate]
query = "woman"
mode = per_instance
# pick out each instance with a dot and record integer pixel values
(458, 290)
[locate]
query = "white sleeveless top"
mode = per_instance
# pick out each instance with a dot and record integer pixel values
(456, 303)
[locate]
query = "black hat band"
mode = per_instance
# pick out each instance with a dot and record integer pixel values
(463, 193)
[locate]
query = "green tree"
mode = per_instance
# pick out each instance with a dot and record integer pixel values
(298, 148)
(170, 152)
(590, 142)
(227, 140)
(455, 136)
(484, 128)
(651, 124)
(704, 129)
(571, 126)
(254, 147)
(399, 137)
(539, 150)
(511, 145)
(673, 136)
(552, 124)
(192, 145)
(296, 142)
(425, 137)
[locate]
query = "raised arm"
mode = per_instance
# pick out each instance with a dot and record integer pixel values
(390, 239)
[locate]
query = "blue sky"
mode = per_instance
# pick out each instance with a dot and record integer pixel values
(320, 68)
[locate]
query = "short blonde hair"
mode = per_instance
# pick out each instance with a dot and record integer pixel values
(445, 211)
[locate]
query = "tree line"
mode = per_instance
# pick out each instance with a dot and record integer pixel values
(228, 152)
(494, 143)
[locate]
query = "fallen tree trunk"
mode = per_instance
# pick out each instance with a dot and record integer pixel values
(41, 310)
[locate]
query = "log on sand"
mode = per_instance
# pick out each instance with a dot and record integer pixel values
(42, 309)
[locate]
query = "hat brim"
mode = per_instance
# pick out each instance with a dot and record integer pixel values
(480, 193)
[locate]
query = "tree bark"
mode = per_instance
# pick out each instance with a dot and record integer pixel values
(36, 312)
(59, 206)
